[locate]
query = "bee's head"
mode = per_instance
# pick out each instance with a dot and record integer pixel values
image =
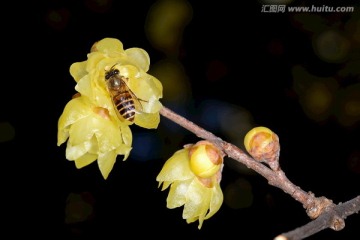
(112, 72)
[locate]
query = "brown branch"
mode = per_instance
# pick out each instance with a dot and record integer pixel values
(331, 218)
(315, 206)
(277, 178)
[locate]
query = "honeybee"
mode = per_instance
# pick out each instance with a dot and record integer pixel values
(124, 100)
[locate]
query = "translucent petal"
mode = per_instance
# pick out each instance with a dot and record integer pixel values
(198, 200)
(124, 150)
(85, 160)
(95, 90)
(93, 61)
(131, 72)
(145, 86)
(108, 45)
(74, 152)
(83, 130)
(78, 70)
(139, 57)
(106, 163)
(177, 193)
(156, 85)
(104, 64)
(126, 134)
(165, 185)
(107, 134)
(176, 168)
(84, 87)
(147, 120)
(142, 84)
(119, 62)
(103, 100)
(62, 135)
(74, 110)
(153, 105)
(217, 199)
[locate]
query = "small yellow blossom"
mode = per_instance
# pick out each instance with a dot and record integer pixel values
(91, 122)
(202, 197)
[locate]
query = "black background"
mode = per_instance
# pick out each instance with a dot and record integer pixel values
(36, 85)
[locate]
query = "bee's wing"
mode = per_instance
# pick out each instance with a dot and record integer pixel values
(137, 101)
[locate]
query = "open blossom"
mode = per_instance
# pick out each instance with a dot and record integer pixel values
(91, 122)
(201, 196)
(133, 64)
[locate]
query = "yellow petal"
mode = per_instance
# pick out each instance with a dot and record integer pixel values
(176, 168)
(147, 120)
(107, 133)
(177, 194)
(201, 162)
(145, 86)
(95, 90)
(126, 134)
(84, 87)
(152, 105)
(106, 163)
(198, 202)
(75, 151)
(85, 160)
(93, 61)
(78, 70)
(62, 135)
(124, 150)
(217, 199)
(139, 57)
(74, 110)
(165, 184)
(82, 130)
(109, 45)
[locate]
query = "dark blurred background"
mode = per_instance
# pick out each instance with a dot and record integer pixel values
(227, 66)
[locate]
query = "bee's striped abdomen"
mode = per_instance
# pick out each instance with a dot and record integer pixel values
(125, 105)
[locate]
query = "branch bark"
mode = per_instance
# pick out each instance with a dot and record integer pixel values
(326, 213)
(327, 219)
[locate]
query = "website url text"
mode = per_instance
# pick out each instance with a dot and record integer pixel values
(313, 8)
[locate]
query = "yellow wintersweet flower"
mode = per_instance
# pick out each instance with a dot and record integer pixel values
(202, 196)
(92, 135)
(132, 63)
(92, 123)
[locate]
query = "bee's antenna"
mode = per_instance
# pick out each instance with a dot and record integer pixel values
(114, 65)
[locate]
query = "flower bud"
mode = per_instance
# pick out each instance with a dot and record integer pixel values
(262, 144)
(205, 159)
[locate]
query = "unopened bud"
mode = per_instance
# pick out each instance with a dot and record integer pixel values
(205, 159)
(263, 145)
